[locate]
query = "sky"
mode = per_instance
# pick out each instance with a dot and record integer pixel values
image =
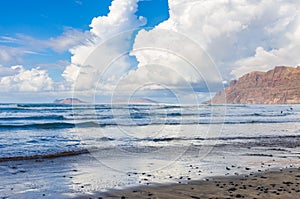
(117, 50)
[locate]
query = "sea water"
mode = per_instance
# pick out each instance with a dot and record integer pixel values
(172, 142)
(38, 129)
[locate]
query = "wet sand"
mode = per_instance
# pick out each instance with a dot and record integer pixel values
(84, 176)
(271, 184)
(79, 177)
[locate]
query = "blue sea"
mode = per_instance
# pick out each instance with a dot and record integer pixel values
(39, 129)
(129, 140)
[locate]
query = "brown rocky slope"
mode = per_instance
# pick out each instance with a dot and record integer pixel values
(280, 85)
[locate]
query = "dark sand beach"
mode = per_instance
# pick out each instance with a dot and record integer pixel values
(281, 183)
(82, 176)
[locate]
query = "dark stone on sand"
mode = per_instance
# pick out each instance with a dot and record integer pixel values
(287, 183)
(232, 189)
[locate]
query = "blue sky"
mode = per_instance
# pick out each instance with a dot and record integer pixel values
(49, 19)
(45, 45)
(44, 19)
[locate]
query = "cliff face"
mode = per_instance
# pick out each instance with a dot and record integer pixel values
(278, 86)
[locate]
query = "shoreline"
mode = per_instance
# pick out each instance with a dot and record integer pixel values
(46, 156)
(78, 176)
(275, 183)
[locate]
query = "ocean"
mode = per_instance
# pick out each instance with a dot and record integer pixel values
(172, 142)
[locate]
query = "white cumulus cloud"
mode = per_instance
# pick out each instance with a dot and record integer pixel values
(26, 80)
(120, 18)
(240, 36)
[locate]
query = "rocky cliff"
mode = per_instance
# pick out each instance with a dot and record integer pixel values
(278, 86)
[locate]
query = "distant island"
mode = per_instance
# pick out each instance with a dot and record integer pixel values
(280, 85)
(131, 101)
(142, 101)
(137, 101)
(68, 101)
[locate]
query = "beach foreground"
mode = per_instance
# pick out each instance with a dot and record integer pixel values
(48, 154)
(270, 184)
